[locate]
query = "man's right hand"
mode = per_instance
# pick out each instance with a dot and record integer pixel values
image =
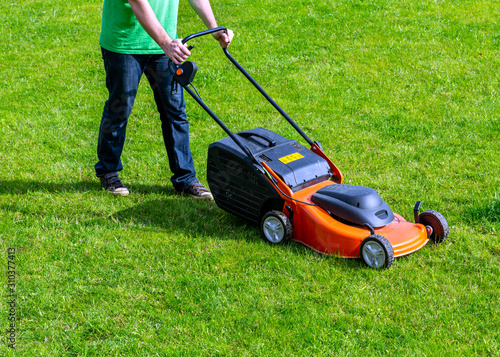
(176, 51)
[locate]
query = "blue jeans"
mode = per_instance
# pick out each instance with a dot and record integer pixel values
(123, 73)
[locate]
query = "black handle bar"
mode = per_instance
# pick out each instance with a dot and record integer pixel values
(269, 99)
(202, 33)
(256, 85)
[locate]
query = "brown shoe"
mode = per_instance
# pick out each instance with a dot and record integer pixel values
(198, 191)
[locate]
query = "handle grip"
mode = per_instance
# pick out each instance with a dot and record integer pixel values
(202, 33)
(269, 141)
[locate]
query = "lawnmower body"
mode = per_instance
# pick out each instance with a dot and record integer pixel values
(327, 216)
(296, 193)
(240, 188)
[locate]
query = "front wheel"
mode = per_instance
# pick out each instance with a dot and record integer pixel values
(434, 220)
(376, 252)
(276, 227)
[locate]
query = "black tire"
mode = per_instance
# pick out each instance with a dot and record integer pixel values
(437, 222)
(376, 252)
(276, 227)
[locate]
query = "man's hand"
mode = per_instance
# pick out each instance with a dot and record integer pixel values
(224, 37)
(176, 51)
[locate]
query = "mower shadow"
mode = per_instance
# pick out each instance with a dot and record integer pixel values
(204, 221)
(176, 214)
(171, 213)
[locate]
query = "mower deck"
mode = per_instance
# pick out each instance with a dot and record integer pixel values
(318, 230)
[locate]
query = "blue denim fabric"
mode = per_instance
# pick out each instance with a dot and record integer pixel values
(123, 73)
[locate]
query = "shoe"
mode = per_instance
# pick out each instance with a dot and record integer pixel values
(197, 191)
(112, 184)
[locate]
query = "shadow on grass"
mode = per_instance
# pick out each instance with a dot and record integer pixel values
(21, 187)
(171, 213)
(177, 214)
(204, 220)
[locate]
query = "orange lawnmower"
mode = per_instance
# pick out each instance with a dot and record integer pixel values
(295, 193)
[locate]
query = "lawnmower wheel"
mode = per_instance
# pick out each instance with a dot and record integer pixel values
(437, 222)
(376, 252)
(276, 227)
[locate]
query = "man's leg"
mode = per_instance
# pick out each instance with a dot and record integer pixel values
(174, 123)
(123, 73)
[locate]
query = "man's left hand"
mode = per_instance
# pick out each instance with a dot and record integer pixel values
(224, 37)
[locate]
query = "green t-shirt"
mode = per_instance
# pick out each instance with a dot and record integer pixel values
(121, 32)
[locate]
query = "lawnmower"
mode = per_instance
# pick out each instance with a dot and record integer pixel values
(295, 193)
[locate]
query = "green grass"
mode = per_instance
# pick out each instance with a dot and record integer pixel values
(403, 96)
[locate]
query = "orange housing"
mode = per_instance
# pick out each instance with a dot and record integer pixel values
(315, 228)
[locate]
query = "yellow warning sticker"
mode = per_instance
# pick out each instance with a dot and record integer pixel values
(289, 158)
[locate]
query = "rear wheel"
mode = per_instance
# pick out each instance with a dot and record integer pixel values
(376, 252)
(276, 227)
(436, 221)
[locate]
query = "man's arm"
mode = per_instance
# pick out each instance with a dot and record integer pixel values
(174, 49)
(205, 13)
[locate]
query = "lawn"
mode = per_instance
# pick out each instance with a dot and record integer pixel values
(402, 95)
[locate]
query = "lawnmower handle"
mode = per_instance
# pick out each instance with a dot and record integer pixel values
(267, 96)
(255, 84)
(203, 33)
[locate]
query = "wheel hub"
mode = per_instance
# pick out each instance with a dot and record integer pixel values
(374, 254)
(273, 229)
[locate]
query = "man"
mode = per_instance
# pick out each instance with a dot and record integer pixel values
(138, 36)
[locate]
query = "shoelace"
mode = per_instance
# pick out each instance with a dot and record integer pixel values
(199, 187)
(114, 181)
